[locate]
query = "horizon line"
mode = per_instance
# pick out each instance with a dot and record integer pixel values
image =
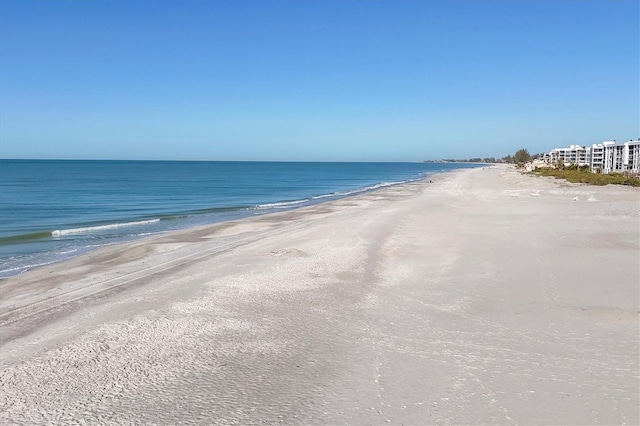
(245, 161)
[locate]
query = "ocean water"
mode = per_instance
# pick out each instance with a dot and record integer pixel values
(51, 210)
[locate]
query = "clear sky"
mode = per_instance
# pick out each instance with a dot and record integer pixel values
(315, 80)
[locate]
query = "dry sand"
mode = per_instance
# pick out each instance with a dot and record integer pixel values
(486, 296)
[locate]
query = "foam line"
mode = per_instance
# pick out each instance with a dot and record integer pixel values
(89, 229)
(282, 204)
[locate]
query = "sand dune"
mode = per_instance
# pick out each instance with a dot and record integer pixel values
(486, 296)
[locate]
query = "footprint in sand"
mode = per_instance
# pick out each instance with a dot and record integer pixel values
(289, 252)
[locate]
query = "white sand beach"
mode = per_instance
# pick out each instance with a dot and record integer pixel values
(486, 296)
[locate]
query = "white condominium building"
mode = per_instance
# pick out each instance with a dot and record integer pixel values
(602, 156)
(575, 154)
(618, 157)
(632, 156)
(605, 157)
(597, 156)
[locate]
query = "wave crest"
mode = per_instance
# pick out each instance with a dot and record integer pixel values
(89, 229)
(281, 205)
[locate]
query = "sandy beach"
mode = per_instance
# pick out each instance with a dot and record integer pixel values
(485, 296)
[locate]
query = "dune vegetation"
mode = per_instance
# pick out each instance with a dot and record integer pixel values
(584, 175)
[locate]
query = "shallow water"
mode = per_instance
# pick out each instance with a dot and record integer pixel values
(55, 209)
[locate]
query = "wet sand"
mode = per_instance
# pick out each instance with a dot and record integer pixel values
(486, 296)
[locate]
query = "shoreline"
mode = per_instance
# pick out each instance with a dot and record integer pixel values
(16, 283)
(198, 219)
(478, 298)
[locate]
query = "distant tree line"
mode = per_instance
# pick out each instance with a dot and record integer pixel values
(507, 159)
(520, 157)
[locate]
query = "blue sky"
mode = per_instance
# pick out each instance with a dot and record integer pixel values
(314, 80)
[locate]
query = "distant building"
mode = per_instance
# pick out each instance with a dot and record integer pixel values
(597, 156)
(632, 156)
(605, 157)
(613, 157)
(575, 154)
(619, 157)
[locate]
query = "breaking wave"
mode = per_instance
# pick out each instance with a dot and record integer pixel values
(282, 204)
(98, 228)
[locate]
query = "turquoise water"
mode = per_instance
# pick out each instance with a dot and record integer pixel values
(53, 210)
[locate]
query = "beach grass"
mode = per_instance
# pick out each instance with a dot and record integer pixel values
(584, 175)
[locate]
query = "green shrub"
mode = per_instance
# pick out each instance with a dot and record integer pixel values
(582, 174)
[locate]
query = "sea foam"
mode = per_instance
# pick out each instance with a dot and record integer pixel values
(281, 205)
(89, 229)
